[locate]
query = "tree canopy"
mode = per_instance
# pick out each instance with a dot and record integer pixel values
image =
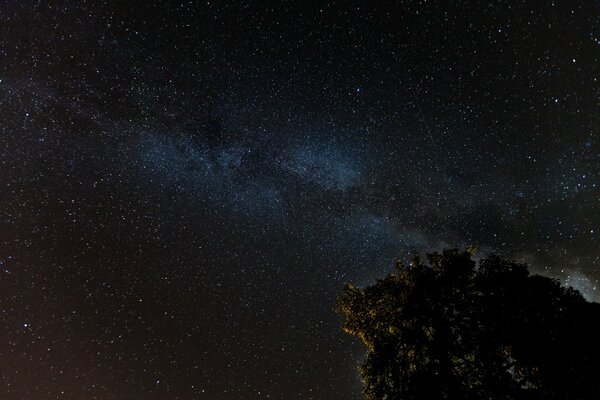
(450, 328)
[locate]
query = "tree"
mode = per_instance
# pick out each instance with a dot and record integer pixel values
(451, 329)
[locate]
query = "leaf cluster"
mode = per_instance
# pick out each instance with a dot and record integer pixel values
(449, 328)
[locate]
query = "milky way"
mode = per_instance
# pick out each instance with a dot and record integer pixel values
(187, 186)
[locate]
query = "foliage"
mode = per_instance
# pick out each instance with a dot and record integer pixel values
(452, 329)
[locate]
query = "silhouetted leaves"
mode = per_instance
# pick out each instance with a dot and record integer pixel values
(452, 329)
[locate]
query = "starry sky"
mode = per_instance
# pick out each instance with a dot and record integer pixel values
(186, 186)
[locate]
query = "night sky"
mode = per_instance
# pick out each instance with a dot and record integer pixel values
(185, 187)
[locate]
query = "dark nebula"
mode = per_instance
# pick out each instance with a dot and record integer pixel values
(185, 187)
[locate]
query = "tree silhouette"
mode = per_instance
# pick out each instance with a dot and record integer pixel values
(452, 329)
